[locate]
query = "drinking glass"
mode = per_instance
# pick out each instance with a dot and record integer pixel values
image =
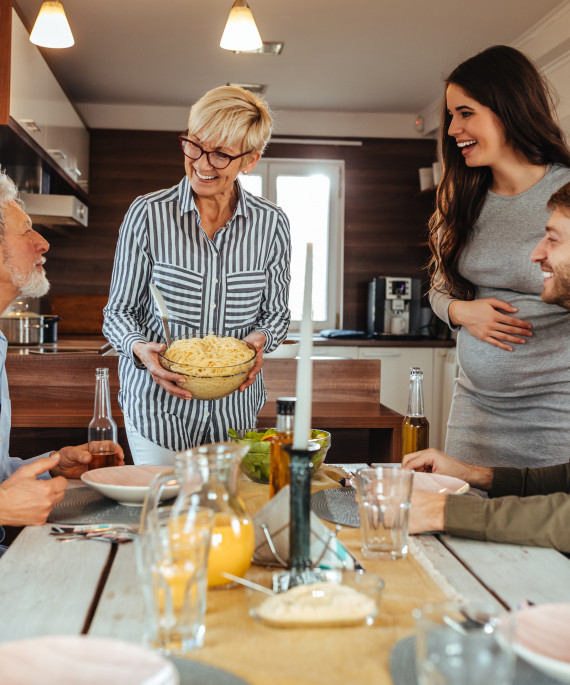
(463, 644)
(172, 560)
(384, 494)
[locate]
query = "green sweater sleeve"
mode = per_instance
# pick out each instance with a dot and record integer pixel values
(525, 482)
(539, 520)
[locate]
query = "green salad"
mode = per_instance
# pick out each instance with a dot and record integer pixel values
(255, 464)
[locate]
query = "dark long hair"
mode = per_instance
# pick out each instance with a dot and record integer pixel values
(504, 80)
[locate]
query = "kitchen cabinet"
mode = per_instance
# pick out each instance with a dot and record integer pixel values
(439, 367)
(42, 111)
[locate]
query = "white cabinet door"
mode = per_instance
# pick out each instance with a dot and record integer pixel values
(37, 100)
(347, 351)
(28, 84)
(395, 378)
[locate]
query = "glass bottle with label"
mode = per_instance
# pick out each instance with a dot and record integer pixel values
(102, 432)
(415, 426)
(279, 474)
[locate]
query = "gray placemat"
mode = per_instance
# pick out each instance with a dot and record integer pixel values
(86, 505)
(196, 673)
(403, 667)
(337, 505)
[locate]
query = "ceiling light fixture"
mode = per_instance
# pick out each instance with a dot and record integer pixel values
(268, 48)
(241, 32)
(255, 88)
(51, 29)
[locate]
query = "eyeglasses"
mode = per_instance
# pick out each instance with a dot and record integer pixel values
(218, 160)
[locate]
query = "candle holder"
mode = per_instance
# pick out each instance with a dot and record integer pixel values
(301, 572)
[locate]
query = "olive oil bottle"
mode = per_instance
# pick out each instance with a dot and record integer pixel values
(415, 426)
(279, 474)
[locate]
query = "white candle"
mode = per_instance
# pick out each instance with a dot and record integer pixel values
(303, 407)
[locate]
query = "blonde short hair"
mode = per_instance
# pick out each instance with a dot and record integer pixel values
(231, 116)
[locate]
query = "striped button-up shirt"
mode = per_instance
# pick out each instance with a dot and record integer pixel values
(233, 284)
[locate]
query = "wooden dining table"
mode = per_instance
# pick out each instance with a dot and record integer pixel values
(91, 588)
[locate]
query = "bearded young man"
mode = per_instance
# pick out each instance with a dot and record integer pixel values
(525, 506)
(28, 488)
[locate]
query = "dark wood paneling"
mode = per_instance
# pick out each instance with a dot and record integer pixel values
(385, 216)
(5, 51)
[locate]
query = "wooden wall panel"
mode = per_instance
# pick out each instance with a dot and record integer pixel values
(385, 216)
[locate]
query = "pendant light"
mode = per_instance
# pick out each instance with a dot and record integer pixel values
(241, 32)
(51, 29)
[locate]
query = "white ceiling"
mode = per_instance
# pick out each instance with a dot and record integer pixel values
(371, 56)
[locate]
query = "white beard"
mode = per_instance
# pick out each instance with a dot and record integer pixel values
(31, 284)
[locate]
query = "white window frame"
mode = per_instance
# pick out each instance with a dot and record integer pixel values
(272, 167)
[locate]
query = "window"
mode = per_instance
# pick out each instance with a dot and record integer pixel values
(311, 193)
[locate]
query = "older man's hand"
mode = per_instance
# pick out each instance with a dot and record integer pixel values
(26, 501)
(74, 460)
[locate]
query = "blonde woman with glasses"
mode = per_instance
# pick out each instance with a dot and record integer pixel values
(220, 256)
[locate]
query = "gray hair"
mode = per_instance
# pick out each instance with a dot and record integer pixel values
(8, 195)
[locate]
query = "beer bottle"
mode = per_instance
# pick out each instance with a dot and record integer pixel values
(102, 432)
(415, 426)
(279, 474)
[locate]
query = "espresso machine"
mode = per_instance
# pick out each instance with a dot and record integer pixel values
(394, 306)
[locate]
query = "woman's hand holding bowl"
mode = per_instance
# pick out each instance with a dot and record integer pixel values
(258, 341)
(148, 354)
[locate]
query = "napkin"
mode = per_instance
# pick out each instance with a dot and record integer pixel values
(326, 551)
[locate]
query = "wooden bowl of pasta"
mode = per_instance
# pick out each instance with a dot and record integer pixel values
(213, 366)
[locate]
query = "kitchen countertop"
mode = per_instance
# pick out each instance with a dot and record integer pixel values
(70, 345)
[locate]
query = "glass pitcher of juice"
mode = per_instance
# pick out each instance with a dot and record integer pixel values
(208, 477)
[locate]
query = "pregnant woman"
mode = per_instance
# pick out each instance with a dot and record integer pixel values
(220, 257)
(504, 155)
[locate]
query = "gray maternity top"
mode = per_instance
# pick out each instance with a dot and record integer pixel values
(512, 408)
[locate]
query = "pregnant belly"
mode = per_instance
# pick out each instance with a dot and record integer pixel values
(536, 366)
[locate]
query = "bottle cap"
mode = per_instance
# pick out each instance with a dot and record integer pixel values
(416, 371)
(286, 405)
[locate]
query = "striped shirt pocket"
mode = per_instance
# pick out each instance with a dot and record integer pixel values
(182, 290)
(244, 291)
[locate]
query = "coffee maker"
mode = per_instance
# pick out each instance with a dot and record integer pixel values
(394, 306)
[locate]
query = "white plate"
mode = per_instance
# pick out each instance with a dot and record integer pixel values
(85, 660)
(543, 639)
(434, 482)
(127, 484)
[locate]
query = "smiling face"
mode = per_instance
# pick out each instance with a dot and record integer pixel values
(21, 269)
(208, 182)
(478, 131)
(553, 255)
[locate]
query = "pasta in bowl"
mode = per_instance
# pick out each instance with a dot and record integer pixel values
(212, 366)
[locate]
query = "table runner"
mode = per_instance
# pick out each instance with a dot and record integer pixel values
(338, 656)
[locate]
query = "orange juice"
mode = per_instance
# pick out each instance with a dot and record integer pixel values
(231, 548)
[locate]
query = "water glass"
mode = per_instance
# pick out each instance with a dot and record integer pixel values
(464, 644)
(384, 494)
(172, 561)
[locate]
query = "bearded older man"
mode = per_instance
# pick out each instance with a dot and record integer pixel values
(529, 506)
(28, 488)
